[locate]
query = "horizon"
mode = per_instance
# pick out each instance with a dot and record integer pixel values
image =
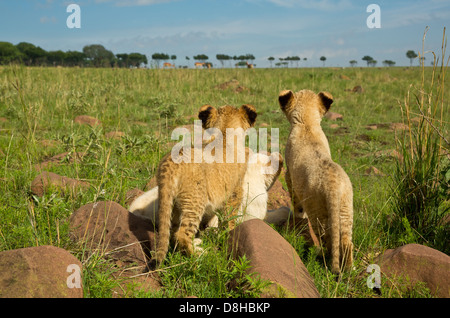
(336, 29)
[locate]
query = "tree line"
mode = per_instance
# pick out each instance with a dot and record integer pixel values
(96, 55)
(92, 55)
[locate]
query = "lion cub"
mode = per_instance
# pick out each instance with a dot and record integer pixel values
(198, 188)
(258, 179)
(316, 183)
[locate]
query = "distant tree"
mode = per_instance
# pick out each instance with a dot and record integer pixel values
(98, 55)
(137, 59)
(202, 58)
(353, 63)
(373, 63)
(32, 55)
(74, 58)
(271, 59)
(411, 55)
(173, 58)
(367, 58)
(388, 63)
(56, 57)
(222, 58)
(122, 60)
(9, 53)
(292, 59)
(323, 59)
(158, 57)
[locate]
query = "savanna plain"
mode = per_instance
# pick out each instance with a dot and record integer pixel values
(370, 141)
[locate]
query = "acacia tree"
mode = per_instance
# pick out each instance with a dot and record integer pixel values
(271, 59)
(411, 55)
(222, 58)
(368, 59)
(323, 59)
(201, 57)
(353, 63)
(158, 57)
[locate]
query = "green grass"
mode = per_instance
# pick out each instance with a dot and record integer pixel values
(41, 103)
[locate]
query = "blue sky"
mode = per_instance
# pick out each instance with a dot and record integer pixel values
(335, 29)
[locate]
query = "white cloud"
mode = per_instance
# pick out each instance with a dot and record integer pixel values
(132, 3)
(323, 5)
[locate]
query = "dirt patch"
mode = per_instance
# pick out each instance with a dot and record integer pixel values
(233, 85)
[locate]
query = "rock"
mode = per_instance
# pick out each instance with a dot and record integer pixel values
(373, 171)
(273, 258)
(46, 180)
(132, 195)
(358, 89)
(398, 126)
(115, 135)
(58, 159)
(333, 116)
(372, 127)
(278, 196)
(390, 153)
(417, 263)
(233, 85)
(109, 227)
(40, 272)
(151, 184)
(87, 120)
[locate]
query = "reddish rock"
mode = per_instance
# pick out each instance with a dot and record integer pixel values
(121, 235)
(47, 180)
(358, 89)
(59, 159)
(278, 196)
(87, 120)
(273, 258)
(333, 116)
(373, 171)
(151, 184)
(132, 195)
(398, 126)
(417, 263)
(40, 272)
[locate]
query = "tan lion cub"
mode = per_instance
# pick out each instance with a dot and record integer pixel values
(316, 183)
(195, 188)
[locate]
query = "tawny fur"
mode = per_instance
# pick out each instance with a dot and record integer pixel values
(318, 185)
(199, 188)
(258, 179)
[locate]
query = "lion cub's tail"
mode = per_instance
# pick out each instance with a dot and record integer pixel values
(334, 207)
(166, 199)
(166, 195)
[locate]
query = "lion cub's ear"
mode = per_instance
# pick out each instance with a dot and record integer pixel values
(249, 111)
(327, 100)
(208, 115)
(285, 98)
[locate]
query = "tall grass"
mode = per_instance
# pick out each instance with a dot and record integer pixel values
(421, 179)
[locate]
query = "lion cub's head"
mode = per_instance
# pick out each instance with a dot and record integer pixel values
(305, 106)
(227, 117)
